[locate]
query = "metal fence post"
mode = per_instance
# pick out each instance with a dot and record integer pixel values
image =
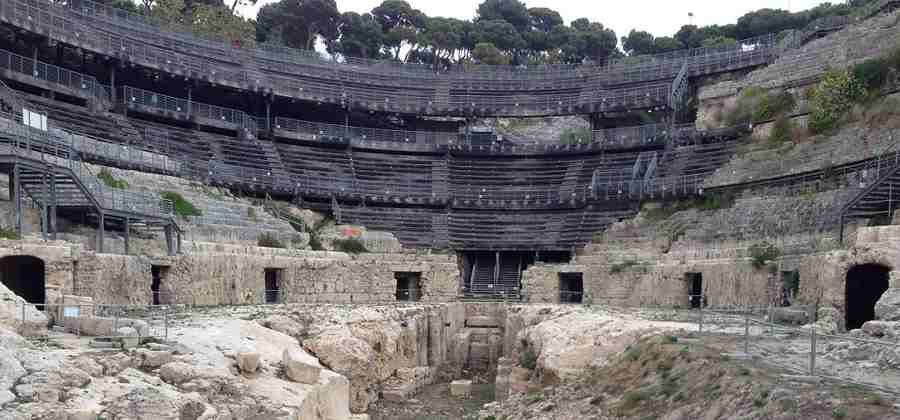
(166, 323)
(747, 333)
(812, 350)
(700, 329)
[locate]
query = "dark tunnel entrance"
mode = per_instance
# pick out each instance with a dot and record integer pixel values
(24, 276)
(865, 284)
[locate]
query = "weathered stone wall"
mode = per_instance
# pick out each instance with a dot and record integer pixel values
(730, 282)
(239, 278)
(232, 274)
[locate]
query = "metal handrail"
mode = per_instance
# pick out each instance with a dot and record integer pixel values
(60, 152)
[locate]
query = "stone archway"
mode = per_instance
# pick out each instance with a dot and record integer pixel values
(25, 276)
(865, 283)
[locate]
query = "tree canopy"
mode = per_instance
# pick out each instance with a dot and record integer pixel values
(502, 32)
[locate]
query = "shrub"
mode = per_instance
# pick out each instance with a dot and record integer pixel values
(575, 135)
(107, 177)
(781, 131)
(743, 108)
(771, 105)
(8, 233)
(832, 99)
(181, 206)
(839, 413)
(350, 246)
(268, 240)
(315, 242)
(755, 104)
(762, 253)
(872, 73)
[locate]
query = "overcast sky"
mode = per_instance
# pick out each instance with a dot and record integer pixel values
(659, 17)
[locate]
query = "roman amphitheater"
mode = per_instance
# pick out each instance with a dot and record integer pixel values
(195, 230)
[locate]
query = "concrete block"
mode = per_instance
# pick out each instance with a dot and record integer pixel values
(461, 388)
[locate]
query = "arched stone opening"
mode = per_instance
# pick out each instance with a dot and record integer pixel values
(865, 283)
(24, 275)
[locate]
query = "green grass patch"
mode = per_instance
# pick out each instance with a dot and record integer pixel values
(182, 207)
(110, 181)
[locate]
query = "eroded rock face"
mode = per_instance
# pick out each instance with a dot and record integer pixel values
(300, 366)
(12, 310)
(559, 342)
(888, 306)
(352, 357)
(10, 367)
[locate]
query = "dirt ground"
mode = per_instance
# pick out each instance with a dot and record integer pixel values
(435, 403)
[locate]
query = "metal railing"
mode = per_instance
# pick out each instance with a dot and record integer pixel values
(541, 95)
(53, 74)
(132, 96)
(60, 152)
(101, 321)
(759, 339)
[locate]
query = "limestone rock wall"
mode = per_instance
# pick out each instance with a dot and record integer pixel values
(239, 278)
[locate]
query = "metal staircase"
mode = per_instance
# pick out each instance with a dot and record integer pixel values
(880, 199)
(50, 172)
(483, 276)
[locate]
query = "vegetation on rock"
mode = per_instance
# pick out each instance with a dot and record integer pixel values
(833, 99)
(762, 253)
(757, 105)
(350, 246)
(182, 207)
(110, 181)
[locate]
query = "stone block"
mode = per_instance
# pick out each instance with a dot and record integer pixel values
(104, 326)
(248, 361)
(300, 366)
(461, 388)
(129, 337)
(153, 358)
(81, 414)
(793, 316)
